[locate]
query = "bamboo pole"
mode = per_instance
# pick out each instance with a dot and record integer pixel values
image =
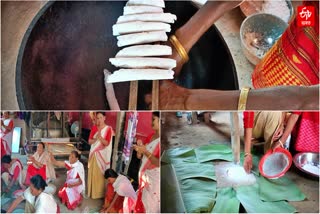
(235, 136)
(133, 96)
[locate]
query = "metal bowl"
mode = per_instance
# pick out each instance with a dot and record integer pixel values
(258, 33)
(307, 162)
(250, 7)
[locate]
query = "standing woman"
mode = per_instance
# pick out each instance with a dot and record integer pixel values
(6, 134)
(100, 140)
(149, 174)
(40, 164)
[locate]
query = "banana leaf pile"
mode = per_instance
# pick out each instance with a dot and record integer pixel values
(189, 184)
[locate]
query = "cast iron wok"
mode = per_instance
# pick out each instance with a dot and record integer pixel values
(68, 44)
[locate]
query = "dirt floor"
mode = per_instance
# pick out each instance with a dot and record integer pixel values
(176, 132)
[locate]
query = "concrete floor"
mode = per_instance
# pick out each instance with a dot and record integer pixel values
(87, 205)
(16, 17)
(176, 133)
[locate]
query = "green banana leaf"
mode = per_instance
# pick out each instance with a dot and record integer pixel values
(279, 189)
(177, 155)
(250, 199)
(198, 194)
(171, 198)
(194, 170)
(226, 201)
(214, 152)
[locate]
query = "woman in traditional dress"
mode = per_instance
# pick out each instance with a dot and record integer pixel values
(6, 134)
(100, 140)
(12, 174)
(72, 190)
(293, 61)
(264, 126)
(149, 174)
(304, 130)
(37, 201)
(40, 163)
(123, 197)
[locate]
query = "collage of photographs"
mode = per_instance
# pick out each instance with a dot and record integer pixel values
(160, 106)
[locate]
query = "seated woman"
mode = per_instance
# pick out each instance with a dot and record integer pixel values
(37, 201)
(123, 197)
(70, 193)
(12, 173)
(40, 164)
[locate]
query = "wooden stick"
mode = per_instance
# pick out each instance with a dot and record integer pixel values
(133, 96)
(235, 136)
(155, 95)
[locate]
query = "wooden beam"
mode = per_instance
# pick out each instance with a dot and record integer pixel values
(133, 96)
(155, 95)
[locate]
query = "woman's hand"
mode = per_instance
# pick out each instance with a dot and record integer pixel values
(172, 96)
(278, 133)
(247, 164)
(141, 149)
(277, 145)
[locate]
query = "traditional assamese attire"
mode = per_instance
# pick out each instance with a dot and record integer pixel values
(46, 171)
(15, 172)
(264, 125)
(294, 59)
(71, 196)
(305, 135)
(43, 203)
(122, 186)
(99, 161)
(109, 195)
(6, 138)
(149, 182)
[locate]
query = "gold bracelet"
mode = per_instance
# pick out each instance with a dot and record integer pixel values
(243, 98)
(180, 49)
(247, 154)
(149, 155)
(281, 144)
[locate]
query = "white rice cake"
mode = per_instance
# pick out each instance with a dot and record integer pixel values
(138, 26)
(144, 62)
(142, 38)
(127, 10)
(155, 3)
(145, 50)
(149, 17)
(124, 75)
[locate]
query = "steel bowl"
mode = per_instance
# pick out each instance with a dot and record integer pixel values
(258, 33)
(250, 7)
(307, 162)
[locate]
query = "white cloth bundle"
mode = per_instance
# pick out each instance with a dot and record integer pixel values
(142, 38)
(145, 50)
(124, 75)
(138, 26)
(144, 62)
(148, 17)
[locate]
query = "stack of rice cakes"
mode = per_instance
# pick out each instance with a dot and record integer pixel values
(143, 22)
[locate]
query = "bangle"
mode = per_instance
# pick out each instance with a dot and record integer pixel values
(180, 49)
(149, 155)
(281, 144)
(247, 154)
(243, 98)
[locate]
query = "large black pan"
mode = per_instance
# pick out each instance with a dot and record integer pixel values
(63, 53)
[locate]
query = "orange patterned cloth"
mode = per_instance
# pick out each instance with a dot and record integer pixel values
(294, 59)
